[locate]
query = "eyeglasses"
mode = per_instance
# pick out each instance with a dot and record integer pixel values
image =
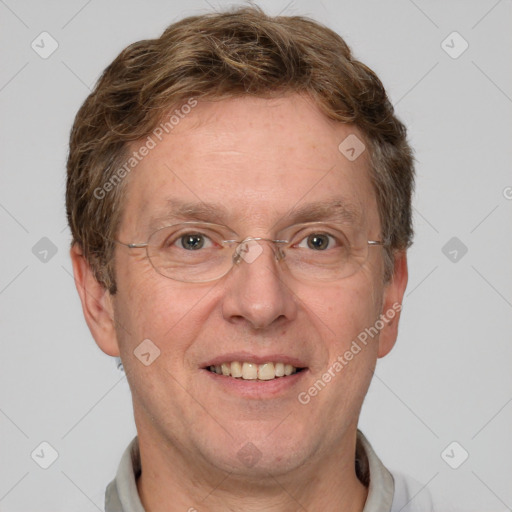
(198, 252)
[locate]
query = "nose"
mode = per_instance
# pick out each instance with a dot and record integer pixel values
(255, 291)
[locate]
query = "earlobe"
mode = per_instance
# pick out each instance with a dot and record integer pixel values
(392, 304)
(96, 303)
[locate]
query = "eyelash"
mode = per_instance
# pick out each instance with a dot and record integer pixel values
(178, 238)
(331, 237)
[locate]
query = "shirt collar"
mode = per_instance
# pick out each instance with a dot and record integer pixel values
(122, 496)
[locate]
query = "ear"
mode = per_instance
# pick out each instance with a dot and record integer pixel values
(392, 304)
(96, 303)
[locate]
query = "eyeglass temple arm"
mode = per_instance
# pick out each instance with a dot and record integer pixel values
(132, 246)
(378, 242)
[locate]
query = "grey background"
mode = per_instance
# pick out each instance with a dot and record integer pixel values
(448, 378)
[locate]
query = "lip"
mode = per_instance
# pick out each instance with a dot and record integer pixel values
(246, 357)
(255, 389)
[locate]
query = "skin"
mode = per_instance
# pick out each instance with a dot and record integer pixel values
(260, 159)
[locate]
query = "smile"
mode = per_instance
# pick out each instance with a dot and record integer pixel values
(253, 371)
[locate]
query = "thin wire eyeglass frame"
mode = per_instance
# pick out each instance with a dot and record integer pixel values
(236, 256)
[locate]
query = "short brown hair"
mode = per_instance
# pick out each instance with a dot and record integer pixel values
(217, 56)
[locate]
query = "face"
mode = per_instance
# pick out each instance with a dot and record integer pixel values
(253, 165)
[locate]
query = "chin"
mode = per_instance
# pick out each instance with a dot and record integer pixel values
(258, 452)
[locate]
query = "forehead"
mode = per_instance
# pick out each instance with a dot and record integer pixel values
(250, 160)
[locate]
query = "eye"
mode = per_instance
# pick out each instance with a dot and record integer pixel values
(317, 242)
(193, 241)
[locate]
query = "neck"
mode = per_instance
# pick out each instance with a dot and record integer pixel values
(171, 475)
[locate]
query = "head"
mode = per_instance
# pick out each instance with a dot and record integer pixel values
(239, 119)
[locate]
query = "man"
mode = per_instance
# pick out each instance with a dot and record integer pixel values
(239, 193)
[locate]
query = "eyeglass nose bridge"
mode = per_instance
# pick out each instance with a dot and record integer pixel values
(249, 249)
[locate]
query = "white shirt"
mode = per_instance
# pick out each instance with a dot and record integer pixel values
(386, 492)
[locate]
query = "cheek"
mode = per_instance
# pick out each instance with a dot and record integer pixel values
(345, 310)
(155, 310)
(146, 305)
(169, 313)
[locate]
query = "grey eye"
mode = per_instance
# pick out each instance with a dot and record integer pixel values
(192, 241)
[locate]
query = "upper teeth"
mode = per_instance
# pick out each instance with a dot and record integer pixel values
(252, 371)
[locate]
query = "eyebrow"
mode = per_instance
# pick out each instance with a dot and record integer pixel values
(181, 211)
(337, 210)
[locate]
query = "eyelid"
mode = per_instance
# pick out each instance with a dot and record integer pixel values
(337, 237)
(219, 233)
(314, 227)
(205, 228)
(187, 228)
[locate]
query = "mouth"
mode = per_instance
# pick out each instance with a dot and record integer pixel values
(244, 370)
(254, 377)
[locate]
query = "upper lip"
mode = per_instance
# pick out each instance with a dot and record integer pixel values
(244, 357)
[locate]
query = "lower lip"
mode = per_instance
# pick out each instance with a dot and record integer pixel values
(258, 389)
